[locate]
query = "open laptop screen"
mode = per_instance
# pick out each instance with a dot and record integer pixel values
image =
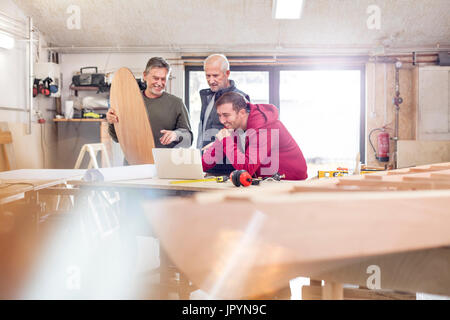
(178, 163)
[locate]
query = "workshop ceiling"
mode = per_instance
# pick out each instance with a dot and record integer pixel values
(242, 25)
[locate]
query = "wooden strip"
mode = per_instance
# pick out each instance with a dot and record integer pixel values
(105, 138)
(12, 192)
(413, 271)
(133, 129)
(438, 179)
(5, 157)
(398, 185)
(440, 175)
(372, 177)
(332, 291)
(34, 184)
(423, 168)
(5, 137)
(338, 188)
(315, 293)
(432, 168)
(60, 191)
(416, 152)
(42, 174)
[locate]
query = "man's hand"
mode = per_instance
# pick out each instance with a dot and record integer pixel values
(168, 136)
(224, 133)
(219, 136)
(207, 146)
(111, 116)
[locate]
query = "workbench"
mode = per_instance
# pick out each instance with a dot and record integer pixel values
(16, 183)
(134, 193)
(250, 243)
(105, 209)
(22, 207)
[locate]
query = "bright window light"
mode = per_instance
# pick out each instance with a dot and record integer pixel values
(6, 41)
(287, 9)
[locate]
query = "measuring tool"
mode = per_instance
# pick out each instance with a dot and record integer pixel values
(217, 179)
(340, 172)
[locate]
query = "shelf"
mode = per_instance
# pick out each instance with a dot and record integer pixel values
(84, 88)
(79, 120)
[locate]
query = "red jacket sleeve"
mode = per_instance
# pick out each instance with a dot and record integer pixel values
(212, 155)
(258, 151)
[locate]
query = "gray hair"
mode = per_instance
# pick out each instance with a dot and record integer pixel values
(225, 65)
(157, 62)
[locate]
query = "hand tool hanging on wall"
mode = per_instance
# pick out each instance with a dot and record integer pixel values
(36, 87)
(53, 87)
(45, 90)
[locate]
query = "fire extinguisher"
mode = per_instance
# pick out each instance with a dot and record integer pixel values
(383, 147)
(382, 144)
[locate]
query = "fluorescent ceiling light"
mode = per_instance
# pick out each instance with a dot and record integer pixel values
(287, 9)
(6, 41)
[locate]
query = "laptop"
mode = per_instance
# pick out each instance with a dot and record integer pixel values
(178, 163)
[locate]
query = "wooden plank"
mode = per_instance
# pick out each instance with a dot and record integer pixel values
(60, 191)
(106, 139)
(425, 271)
(163, 184)
(14, 196)
(5, 137)
(133, 129)
(42, 174)
(258, 245)
(395, 185)
(440, 175)
(10, 192)
(362, 183)
(413, 152)
(315, 293)
(422, 168)
(332, 291)
(35, 184)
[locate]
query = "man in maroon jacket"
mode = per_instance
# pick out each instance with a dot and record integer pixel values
(253, 139)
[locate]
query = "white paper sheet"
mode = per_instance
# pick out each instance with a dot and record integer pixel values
(144, 171)
(43, 174)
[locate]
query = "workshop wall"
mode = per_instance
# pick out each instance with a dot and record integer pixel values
(110, 62)
(26, 151)
(106, 63)
(380, 110)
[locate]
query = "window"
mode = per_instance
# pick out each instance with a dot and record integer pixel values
(256, 82)
(323, 108)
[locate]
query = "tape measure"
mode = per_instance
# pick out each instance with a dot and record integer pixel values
(217, 179)
(339, 173)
